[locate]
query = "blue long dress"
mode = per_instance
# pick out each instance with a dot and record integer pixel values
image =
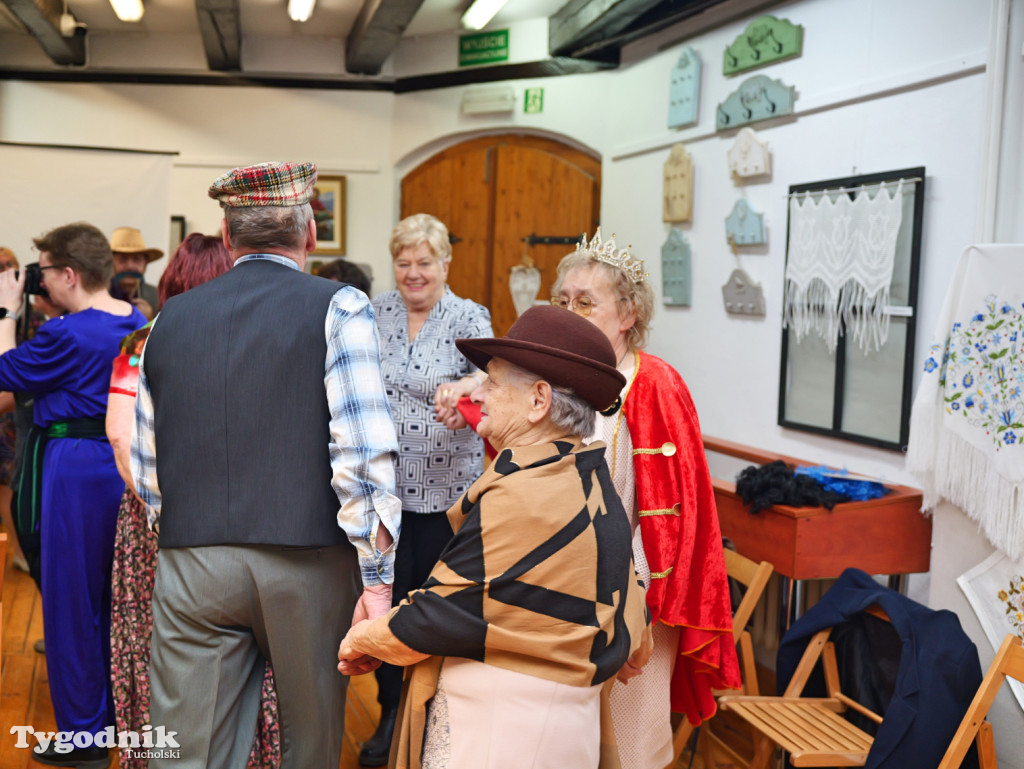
(67, 365)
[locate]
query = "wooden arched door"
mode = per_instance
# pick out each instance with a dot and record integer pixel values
(493, 193)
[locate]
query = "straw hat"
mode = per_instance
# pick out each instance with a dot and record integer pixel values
(128, 240)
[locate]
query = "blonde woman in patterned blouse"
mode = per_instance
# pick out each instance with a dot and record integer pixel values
(418, 324)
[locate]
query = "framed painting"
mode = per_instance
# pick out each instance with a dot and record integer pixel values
(329, 213)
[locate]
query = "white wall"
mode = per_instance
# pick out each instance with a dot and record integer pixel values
(872, 96)
(732, 365)
(882, 84)
(217, 128)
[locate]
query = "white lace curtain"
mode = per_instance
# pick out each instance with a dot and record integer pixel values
(840, 264)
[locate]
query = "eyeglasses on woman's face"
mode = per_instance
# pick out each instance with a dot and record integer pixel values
(581, 305)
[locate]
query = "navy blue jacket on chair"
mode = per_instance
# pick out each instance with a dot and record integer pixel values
(937, 677)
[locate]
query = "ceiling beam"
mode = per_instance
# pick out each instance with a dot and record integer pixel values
(580, 22)
(221, 30)
(42, 19)
(376, 33)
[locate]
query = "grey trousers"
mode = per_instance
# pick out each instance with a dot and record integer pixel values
(218, 613)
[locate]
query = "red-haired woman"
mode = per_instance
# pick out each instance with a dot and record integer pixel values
(198, 259)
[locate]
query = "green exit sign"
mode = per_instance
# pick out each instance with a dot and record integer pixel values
(483, 48)
(533, 101)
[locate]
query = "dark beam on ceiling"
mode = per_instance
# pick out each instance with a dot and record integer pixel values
(503, 72)
(376, 32)
(221, 30)
(42, 19)
(469, 76)
(580, 22)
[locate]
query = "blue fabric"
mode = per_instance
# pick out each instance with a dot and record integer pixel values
(938, 674)
(68, 365)
(854, 488)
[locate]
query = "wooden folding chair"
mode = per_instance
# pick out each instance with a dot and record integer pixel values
(754, 576)
(1009, 661)
(811, 729)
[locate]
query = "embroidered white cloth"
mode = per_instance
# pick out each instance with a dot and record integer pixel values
(839, 264)
(967, 424)
(995, 590)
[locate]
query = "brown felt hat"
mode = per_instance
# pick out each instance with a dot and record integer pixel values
(560, 347)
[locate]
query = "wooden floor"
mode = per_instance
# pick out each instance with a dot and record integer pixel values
(25, 689)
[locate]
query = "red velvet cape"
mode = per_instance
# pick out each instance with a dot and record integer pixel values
(681, 534)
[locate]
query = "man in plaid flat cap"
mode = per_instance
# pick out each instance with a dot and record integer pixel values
(264, 446)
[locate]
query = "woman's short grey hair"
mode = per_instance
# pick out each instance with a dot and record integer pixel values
(417, 229)
(569, 412)
(636, 297)
(268, 227)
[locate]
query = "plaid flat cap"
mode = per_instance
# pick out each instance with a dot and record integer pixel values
(266, 184)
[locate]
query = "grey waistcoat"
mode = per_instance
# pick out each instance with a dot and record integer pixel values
(236, 369)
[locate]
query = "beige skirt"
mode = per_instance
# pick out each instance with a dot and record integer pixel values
(484, 717)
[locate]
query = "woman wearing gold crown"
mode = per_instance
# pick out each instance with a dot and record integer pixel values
(657, 461)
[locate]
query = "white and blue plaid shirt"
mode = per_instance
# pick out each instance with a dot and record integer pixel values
(363, 442)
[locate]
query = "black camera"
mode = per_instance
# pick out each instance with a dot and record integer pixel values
(34, 280)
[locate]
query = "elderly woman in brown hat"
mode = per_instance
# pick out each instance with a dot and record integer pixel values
(534, 606)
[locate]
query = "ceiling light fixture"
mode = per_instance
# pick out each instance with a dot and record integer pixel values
(128, 10)
(300, 10)
(480, 13)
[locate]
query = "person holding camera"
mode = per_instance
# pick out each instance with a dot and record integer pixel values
(131, 257)
(67, 366)
(15, 423)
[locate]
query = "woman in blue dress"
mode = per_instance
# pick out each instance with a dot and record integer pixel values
(67, 367)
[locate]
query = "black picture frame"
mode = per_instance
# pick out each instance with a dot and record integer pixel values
(177, 234)
(905, 396)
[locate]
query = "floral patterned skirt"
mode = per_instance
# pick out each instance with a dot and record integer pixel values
(131, 626)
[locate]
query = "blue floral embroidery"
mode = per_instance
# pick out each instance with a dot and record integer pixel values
(983, 371)
(930, 365)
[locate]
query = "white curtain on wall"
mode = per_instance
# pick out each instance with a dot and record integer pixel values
(42, 187)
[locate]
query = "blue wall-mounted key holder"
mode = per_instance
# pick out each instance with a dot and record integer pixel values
(758, 98)
(684, 93)
(676, 270)
(744, 226)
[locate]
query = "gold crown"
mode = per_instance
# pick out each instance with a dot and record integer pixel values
(606, 252)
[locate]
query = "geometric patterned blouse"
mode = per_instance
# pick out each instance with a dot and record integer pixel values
(435, 465)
